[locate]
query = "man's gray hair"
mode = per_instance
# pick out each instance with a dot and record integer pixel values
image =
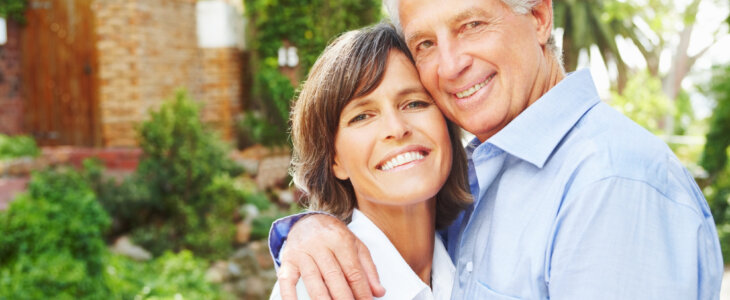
(518, 6)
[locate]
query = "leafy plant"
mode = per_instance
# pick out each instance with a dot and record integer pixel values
(14, 9)
(171, 276)
(643, 101)
(715, 156)
(182, 195)
(51, 241)
(17, 146)
(308, 25)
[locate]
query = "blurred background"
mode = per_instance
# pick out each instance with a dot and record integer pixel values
(144, 147)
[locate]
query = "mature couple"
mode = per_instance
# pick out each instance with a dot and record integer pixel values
(571, 200)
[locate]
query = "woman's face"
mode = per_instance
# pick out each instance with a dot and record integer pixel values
(393, 144)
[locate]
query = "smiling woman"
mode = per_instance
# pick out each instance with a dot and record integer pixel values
(372, 148)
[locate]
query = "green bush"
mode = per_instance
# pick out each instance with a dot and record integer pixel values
(308, 25)
(715, 156)
(17, 146)
(14, 9)
(51, 241)
(181, 196)
(170, 276)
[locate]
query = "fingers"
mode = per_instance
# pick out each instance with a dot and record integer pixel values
(356, 276)
(327, 256)
(288, 277)
(313, 280)
(371, 272)
(337, 284)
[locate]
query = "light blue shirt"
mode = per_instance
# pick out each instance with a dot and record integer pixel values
(575, 201)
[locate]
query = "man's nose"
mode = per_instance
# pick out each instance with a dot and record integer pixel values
(452, 61)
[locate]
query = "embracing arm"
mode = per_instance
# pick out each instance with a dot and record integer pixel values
(623, 239)
(331, 261)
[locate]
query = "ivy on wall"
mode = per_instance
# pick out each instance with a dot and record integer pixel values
(13, 9)
(308, 25)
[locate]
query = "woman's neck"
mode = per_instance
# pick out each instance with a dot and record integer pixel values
(410, 228)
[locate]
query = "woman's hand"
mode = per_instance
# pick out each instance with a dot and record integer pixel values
(332, 262)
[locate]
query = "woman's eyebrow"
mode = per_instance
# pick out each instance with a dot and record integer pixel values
(410, 90)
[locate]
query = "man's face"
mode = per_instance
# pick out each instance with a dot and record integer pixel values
(478, 58)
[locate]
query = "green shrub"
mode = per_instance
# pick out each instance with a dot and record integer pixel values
(51, 241)
(14, 9)
(182, 195)
(715, 156)
(308, 25)
(17, 146)
(170, 276)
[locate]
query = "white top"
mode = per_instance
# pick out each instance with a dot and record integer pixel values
(395, 274)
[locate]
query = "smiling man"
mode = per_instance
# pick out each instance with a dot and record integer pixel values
(572, 199)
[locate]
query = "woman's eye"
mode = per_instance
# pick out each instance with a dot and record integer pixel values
(417, 104)
(358, 118)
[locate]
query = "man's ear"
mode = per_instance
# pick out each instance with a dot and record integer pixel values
(339, 170)
(543, 16)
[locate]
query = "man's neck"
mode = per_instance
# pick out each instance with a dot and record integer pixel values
(549, 75)
(410, 228)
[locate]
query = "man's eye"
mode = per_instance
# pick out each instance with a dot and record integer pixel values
(424, 45)
(472, 24)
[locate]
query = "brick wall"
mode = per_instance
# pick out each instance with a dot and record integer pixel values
(11, 103)
(147, 49)
(222, 88)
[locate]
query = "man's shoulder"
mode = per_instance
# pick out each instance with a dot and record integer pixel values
(606, 144)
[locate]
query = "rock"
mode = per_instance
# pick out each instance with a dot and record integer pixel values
(124, 246)
(273, 170)
(243, 231)
(286, 196)
(218, 272)
(250, 211)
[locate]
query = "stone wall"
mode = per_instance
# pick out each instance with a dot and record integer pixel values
(147, 49)
(11, 104)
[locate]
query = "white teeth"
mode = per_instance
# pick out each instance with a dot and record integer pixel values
(470, 91)
(402, 159)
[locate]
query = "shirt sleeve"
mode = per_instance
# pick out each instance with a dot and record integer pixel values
(279, 232)
(623, 239)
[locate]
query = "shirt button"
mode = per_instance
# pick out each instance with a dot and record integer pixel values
(469, 267)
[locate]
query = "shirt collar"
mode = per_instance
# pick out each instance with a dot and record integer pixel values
(395, 274)
(537, 131)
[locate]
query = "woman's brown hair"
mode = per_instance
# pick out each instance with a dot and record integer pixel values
(353, 65)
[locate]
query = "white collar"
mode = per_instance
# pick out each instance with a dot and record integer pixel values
(395, 274)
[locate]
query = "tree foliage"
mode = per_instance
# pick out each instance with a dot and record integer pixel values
(716, 153)
(594, 22)
(308, 25)
(14, 9)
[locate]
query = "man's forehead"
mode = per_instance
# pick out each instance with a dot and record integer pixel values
(454, 9)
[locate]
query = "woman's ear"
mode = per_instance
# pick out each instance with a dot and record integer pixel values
(339, 170)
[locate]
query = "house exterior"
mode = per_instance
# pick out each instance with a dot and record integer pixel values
(86, 72)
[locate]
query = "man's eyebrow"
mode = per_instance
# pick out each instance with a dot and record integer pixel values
(464, 15)
(413, 37)
(467, 14)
